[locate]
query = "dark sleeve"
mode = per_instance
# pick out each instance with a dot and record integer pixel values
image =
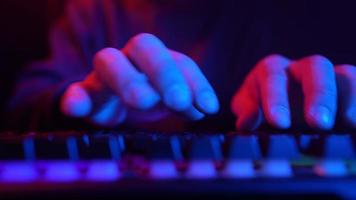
(74, 39)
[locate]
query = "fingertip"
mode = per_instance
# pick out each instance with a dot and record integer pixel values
(320, 117)
(178, 98)
(194, 114)
(76, 102)
(111, 114)
(249, 122)
(351, 117)
(208, 102)
(279, 116)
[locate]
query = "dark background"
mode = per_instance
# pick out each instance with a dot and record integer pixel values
(23, 36)
(303, 27)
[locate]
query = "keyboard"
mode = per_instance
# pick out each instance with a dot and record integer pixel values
(108, 164)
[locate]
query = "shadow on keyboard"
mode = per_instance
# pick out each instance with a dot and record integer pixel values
(140, 164)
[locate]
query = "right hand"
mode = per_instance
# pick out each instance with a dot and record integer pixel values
(142, 83)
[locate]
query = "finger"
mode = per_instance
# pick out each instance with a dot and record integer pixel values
(346, 85)
(272, 80)
(317, 77)
(204, 95)
(110, 114)
(114, 69)
(150, 55)
(245, 106)
(76, 101)
(194, 114)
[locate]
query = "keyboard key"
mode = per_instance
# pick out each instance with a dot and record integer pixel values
(16, 172)
(51, 148)
(276, 168)
(206, 148)
(244, 147)
(239, 169)
(339, 147)
(282, 147)
(72, 147)
(102, 171)
(162, 149)
(61, 171)
(331, 168)
(312, 145)
(99, 147)
(29, 149)
(163, 169)
(204, 152)
(201, 169)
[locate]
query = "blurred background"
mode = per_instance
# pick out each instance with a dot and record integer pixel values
(303, 27)
(23, 36)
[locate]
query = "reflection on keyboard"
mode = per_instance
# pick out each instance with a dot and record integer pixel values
(287, 161)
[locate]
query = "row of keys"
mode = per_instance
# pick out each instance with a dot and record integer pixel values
(98, 171)
(179, 147)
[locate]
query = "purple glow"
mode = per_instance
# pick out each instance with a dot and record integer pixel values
(239, 169)
(332, 168)
(19, 172)
(103, 171)
(164, 169)
(276, 168)
(61, 172)
(201, 169)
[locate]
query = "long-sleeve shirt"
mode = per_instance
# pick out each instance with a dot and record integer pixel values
(226, 38)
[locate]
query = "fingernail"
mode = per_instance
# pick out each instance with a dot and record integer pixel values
(351, 116)
(140, 96)
(208, 102)
(281, 116)
(321, 117)
(178, 98)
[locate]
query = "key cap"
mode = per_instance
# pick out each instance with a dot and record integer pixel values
(244, 147)
(282, 147)
(163, 169)
(163, 153)
(276, 168)
(61, 171)
(19, 172)
(203, 153)
(162, 149)
(239, 169)
(102, 171)
(51, 148)
(339, 147)
(312, 145)
(331, 168)
(206, 148)
(99, 147)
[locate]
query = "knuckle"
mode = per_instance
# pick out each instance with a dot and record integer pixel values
(143, 41)
(104, 53)
(106, 57)
(347, 70)
(182, 59)
(319, 61)
(272, 64)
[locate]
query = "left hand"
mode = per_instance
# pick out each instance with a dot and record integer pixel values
(327, 89)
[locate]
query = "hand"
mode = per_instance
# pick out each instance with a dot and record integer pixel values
(267, 93)
(143, 82)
